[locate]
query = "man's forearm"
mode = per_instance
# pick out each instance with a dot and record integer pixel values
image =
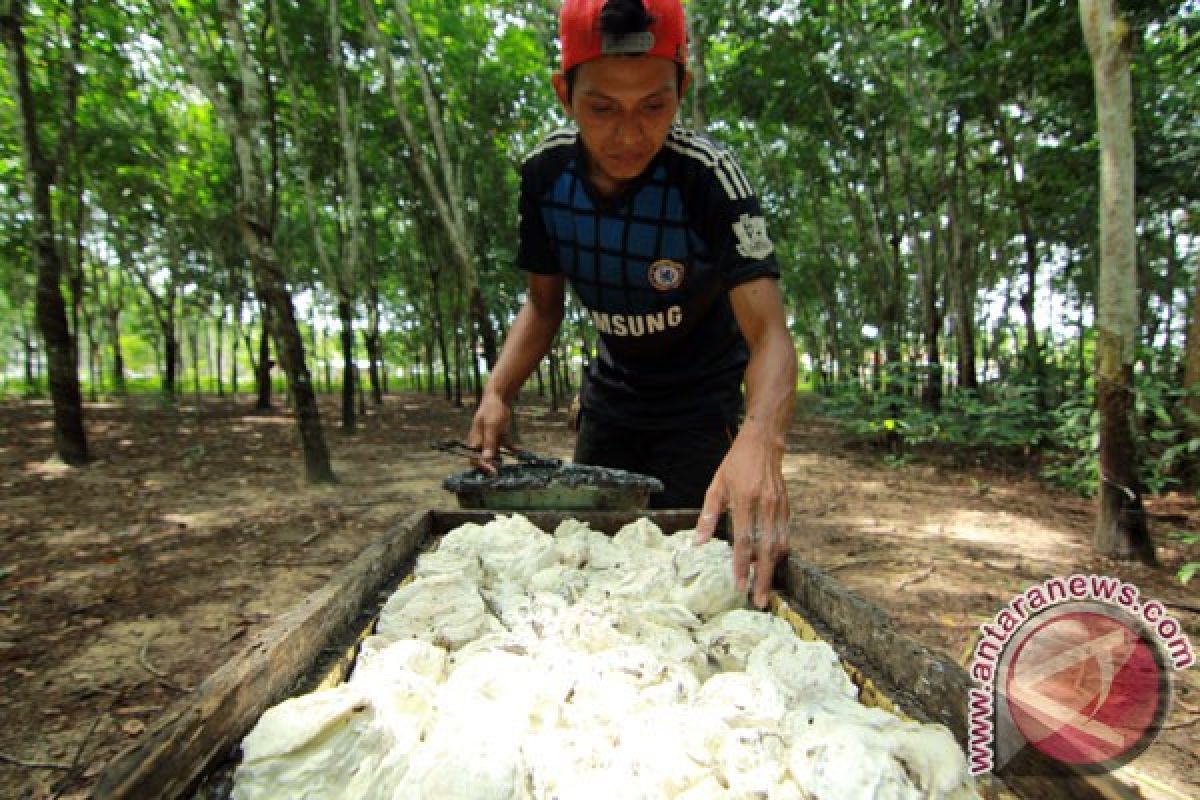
(771, 386)
(771, 373)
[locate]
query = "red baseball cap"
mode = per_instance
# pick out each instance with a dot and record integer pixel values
(582, 40)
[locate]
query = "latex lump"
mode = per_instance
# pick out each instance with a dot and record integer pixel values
(519, 664)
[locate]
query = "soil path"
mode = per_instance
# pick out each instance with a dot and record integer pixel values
(122, 585)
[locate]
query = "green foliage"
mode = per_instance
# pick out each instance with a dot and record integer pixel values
(1189, 569)
(1007, 422)
(1165, 446)
(1074, 440)
(193, 456)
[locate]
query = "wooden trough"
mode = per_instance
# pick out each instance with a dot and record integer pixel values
(190, 751)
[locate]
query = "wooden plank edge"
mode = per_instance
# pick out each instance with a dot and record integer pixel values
(934, 686)
(168, 760)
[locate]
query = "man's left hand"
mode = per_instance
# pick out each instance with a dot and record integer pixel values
(749, 483)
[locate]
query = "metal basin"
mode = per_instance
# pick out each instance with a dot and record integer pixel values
(568, 487)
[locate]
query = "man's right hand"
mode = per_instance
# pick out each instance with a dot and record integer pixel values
(489, 432)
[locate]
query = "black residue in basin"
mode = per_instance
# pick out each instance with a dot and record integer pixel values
(572, 476)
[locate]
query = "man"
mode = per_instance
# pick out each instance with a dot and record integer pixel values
(664, 243)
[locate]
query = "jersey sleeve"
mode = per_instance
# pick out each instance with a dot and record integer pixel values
(735, 224)
(534, 251)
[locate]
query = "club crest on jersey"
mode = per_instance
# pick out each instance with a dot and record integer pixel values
(753, 241)
(666, 274)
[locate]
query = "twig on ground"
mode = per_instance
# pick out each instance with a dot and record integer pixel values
(1186, 724)
(829, 509)
(312, 537)
(1183, 607)
(301, 563)
(89, 690)
(30, 764)
(162, 677)
(74, 768)
(866, 562)
(145, 661)
(922, 576)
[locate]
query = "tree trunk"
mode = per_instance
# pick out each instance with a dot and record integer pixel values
(30, 351)
(346, 317)
(960, 267)
(70, 440)
(321, 351)
(234, 340)
(219, 368)
(72, 258)
(373, 344)
(1191, 366)
(428, 344)
(372, 338)
(118, 356)
(95, 367)
(170, 348)
(362, 395)
(457, 393)
(698, 42)
(440, 326)
(555, 391)
(929, 279)
(444, 189)
(351, 220)
(262, 372)
(1121, 527)
(1035, 364)
(564, 366)
(247, 122)
(272, 286)
(193, 337)
(932, 395)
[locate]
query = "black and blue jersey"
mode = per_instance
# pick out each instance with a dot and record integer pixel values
(653, 267)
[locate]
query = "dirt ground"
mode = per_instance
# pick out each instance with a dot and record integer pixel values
(125, 583)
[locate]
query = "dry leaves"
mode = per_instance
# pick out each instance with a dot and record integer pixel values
(133, 727)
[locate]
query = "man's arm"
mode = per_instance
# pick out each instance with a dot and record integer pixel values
(527, 342)
(749, 481)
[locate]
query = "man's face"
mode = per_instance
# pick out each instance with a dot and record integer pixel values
(624, 107)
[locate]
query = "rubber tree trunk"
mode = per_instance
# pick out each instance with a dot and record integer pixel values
(960, 267)
(262, 373)
(931, 317)
(70, 440)
(170, 375)
(441, 177)
(346, 316)
(233, 352)
(1035, 364)
(249, 123)
(193, 339)
(1121, 528)
(373, 343)
(443, 347)
(30, 352)
(1191, 366)
(219, 355)
(118, 355)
